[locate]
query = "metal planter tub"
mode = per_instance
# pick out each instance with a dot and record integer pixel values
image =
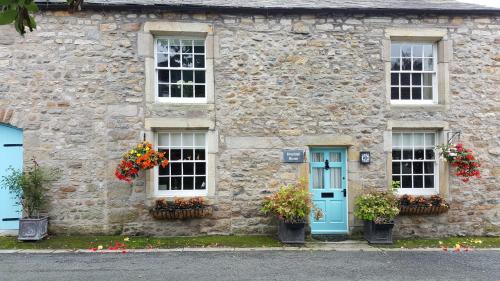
(32, 229)
(291, 233)
(378, 233)
(422, 210)
(180, 214)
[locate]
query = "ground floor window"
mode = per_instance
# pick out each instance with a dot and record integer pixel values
(414, 162)
(186, 174)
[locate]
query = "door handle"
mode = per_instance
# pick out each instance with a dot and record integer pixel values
(345, 192)
(327, 165)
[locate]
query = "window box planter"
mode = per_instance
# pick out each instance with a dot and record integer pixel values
(291, 233)
(32, 229)
(422, 210)
(180, 214)
(378, 233)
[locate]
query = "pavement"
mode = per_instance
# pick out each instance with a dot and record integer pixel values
(298, 264)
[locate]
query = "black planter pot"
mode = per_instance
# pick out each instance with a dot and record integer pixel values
(32, 229)
(291, 233)
(378, 233)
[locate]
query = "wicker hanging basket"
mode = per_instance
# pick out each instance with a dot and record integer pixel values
(422, 210)
(180, 214)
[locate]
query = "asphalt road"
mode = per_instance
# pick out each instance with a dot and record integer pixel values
(270, 265)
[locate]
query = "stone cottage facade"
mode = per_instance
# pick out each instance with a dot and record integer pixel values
(226, 88)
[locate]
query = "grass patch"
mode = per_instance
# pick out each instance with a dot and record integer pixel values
(141, 242)
(449, 242)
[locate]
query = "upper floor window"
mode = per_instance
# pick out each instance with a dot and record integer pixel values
(413, 73)
(180, 69)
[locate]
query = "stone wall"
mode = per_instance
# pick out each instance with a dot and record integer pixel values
(76, 87)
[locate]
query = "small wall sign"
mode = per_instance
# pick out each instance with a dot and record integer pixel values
(293, 156)
(364, 157)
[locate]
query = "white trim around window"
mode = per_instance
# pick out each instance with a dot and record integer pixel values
(414, 162)
(187, 173)
(413, 73)
(180, 64)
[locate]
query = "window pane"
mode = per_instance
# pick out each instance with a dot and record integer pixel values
(163, 139)
(428, 64)
(417, 64)
(200, 168)
(334, 156)
(396, 168)
(200, 183)
(395, 93)
(406, 182)
(416, 93)
(405, 93)
(406, 50)
(395, 64)
(164, 171)
(318, 178)
(175, 46)
(317, 157)
(199, 154)
(176, 91)
(164, 183)
(429, 167)
(418, 182)
(163, 76)
(407, 154)
(407, 140)
(418, 167)
(199, 140)
(418, 139)
(429, 154)
(405, 78)
(406, 64)
(428, 50)
(396, 140)
(429, 181)
(175, 168)
(395, 50)
(199, 91)
(199, 76)
(199, 61)
(427, 79)
(396, 154)
(163, 90)
(187, 46)
(417, 50)
(416, 79)
(427, 93)
(187, 60)
(396, 178)
(176, 183)
(187, 91)
(175, 60)
(336, 178)
(175, 154)
(406, 167)
(429, 139)
(162, 45)
(176, 140)
(395, 79)
(176, 76)
(162, 60)
(187, 154)
(187, 76)
(419, 154)
(188, 183)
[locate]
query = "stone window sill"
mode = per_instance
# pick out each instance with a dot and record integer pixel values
(415, 107)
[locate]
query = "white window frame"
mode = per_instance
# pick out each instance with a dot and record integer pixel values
(181, 193)
(156, 67)
(418, 191)
(435, 78)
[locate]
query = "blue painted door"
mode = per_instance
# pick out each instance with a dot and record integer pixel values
(328, 185)
(11, 155)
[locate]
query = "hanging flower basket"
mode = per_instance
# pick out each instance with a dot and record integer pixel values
(462, 159)
(419, 205)
(180, 209)
(141, 157)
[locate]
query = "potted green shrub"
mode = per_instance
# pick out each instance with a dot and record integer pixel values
(377, 209)
(28, 188)
(292, 204)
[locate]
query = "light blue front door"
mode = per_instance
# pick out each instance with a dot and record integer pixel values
(328, 185)
(11, 155)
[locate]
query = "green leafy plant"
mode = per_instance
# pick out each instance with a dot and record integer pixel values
(377, 206)
(28, 187)
(292, 203)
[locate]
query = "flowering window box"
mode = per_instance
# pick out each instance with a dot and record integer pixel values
(180, 209)
(419, 205)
